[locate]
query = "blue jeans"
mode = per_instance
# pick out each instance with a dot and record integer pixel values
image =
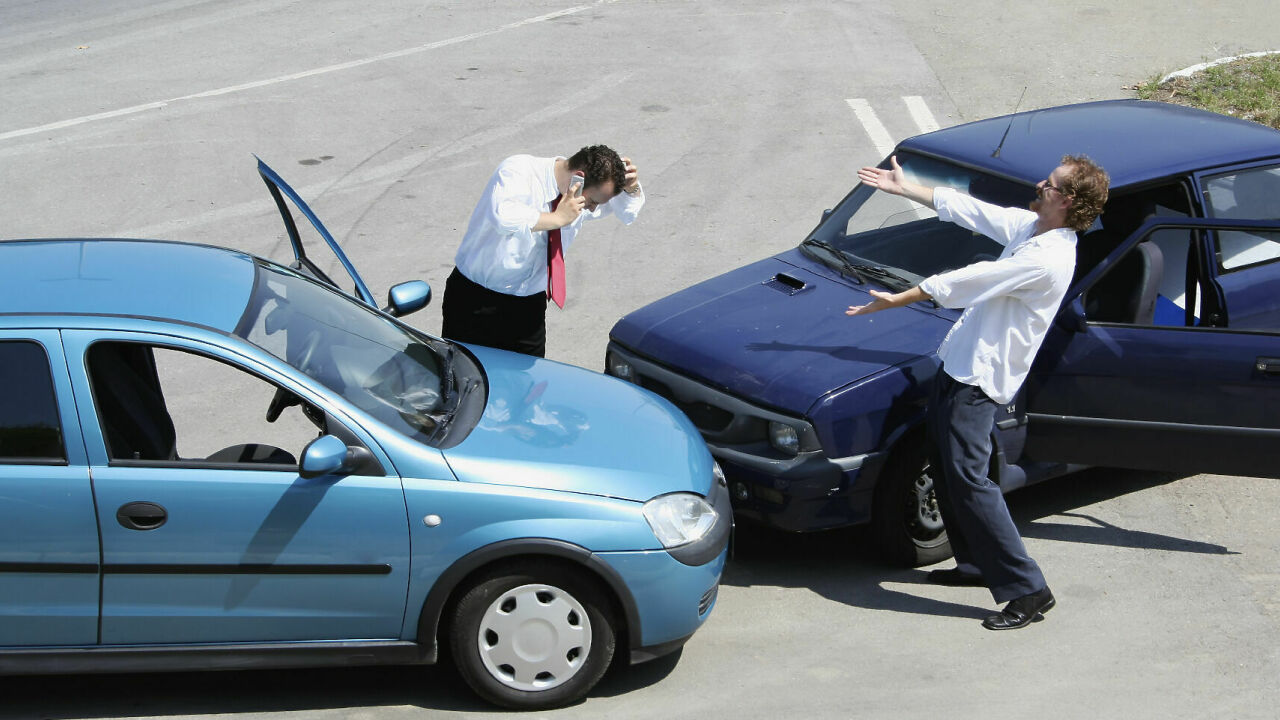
(983, 536)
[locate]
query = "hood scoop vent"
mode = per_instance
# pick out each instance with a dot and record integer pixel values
(785, 284)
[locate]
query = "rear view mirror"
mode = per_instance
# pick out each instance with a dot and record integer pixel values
(407, 297)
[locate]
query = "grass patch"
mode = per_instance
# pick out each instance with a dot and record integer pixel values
(1247, 88)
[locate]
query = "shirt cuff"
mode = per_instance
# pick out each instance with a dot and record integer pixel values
(933, 287)
(627, 206)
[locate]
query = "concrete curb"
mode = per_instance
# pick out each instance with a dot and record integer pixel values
(1188, 72)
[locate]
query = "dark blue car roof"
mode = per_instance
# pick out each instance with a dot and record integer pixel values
(1134, 140)
(188, 283)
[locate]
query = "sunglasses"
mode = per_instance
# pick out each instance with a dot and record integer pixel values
(1046, 185)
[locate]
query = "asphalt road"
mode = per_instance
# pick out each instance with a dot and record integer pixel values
(141, 118)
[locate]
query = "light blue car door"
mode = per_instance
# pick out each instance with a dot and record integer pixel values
(209, 534)
(48, 532)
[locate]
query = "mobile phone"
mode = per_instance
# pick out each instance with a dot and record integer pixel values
(575, 182)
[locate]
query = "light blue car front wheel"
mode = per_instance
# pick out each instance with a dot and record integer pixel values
(534, 636)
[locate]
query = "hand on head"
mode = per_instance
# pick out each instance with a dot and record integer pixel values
(632, 177)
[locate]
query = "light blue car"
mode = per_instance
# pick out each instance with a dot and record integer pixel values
(212, 461)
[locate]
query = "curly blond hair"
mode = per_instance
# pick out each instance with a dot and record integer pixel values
(1087, 186)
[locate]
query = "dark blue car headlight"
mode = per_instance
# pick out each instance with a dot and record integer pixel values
(784, 438)
(616, 366)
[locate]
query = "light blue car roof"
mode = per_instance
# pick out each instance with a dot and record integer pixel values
(141, 278)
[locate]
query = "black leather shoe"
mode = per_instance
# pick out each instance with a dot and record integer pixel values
(1021, 612)
(955, 578)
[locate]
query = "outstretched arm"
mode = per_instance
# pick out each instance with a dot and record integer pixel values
(884, 301)
(894, 182)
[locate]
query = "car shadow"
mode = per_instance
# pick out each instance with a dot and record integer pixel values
(841, 565)
(438, 687)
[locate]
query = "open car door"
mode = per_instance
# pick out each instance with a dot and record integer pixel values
(309, 265)
(1190, 385)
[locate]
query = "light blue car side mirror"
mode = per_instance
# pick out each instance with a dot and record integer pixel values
(407, 297)
(327, 455)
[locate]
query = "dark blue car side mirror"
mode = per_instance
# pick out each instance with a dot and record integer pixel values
(407, 297)
(327, 455)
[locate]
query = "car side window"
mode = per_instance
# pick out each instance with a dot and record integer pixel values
(171, 406)
(1252, 194)
(1156, 280)
(30, 431)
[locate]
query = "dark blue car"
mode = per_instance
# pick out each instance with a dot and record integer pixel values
(1165, 354)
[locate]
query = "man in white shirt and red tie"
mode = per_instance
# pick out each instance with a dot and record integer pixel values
(1010, 303)
(511, 260)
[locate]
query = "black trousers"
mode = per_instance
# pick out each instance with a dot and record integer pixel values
(475, 314)
(983, 536)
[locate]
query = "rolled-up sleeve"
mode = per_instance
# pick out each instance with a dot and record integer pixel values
(624, 205)
(512, 207)
(1001, 224)
(970, 285)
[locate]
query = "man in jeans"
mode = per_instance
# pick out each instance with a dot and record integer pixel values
(1010, 303)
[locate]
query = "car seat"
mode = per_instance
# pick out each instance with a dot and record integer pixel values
(1127, 293)
(136, 424)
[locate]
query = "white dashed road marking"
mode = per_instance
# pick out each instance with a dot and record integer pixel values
(920, 113)
(876, 131)
(871, 123)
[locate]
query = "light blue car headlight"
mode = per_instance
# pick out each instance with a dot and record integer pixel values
(680, 518)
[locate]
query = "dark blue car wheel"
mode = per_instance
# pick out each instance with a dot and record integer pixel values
(906, 524)
(532, 637)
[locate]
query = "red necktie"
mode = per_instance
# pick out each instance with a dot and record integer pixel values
(555, 263)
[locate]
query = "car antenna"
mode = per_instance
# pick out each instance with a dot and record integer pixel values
(996, 154)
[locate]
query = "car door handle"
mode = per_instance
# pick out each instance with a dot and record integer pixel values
(1268, 365)
(141, 515)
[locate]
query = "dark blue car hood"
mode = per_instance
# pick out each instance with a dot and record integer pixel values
(744, 333)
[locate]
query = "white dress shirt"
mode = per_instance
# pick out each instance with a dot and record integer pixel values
(1009, 301)
(500, 250)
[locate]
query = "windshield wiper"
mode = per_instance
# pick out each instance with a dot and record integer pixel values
(848, 267)
(883, 274)
(445, 419)
(449, 383)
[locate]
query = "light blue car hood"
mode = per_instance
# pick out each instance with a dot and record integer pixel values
(560, 427)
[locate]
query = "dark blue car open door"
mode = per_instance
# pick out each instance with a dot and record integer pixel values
(311, 265)
(1146, 367)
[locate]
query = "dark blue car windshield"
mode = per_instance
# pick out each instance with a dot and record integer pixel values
(875, 228)
(378, 366)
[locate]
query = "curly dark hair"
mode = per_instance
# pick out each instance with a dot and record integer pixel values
(1087, 186)
(600, 164)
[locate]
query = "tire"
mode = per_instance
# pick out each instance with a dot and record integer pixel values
(906, 525)
(534, 636)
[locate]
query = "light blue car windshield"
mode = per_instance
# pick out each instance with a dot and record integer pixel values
(376, 365)
(878, 230)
